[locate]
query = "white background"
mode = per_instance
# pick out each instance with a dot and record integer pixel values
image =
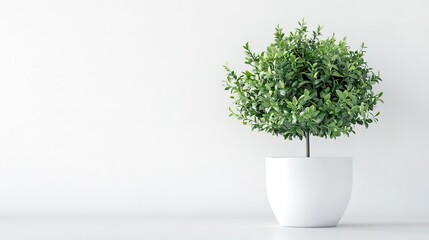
(117, 107)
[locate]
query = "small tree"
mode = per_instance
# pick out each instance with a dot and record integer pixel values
(303, 85)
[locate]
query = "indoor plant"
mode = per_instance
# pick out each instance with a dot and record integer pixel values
(304, 86)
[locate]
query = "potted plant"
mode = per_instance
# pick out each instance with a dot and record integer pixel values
(304, 86)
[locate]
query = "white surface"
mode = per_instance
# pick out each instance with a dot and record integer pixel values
(309, 192)
(116, 107)
(205, 228)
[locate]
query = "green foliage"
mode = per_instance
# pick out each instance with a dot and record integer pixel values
(304, 84)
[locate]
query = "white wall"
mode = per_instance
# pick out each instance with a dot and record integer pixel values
(117, 107)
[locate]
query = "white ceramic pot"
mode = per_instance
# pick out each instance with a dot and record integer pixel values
(309, 192)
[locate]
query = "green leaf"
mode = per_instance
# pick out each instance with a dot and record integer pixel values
(339, 94)
(246, 46)
(327, 97)
(303, 83)
(336, 74)
(294, 101)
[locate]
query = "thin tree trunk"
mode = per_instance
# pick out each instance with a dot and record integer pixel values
(307, 140)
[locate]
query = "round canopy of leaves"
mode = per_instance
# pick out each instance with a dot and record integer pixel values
(304, 85)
